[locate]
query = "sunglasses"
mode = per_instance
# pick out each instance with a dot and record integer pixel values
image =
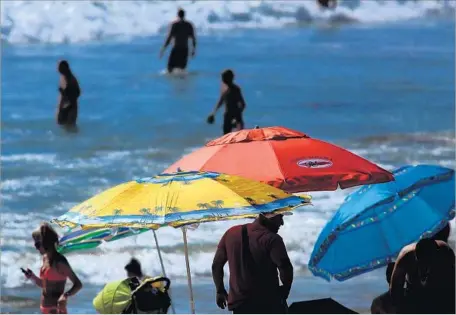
(37, 244)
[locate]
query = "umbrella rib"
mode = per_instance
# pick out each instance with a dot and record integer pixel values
(277, 160)
(210, 158)
(169, 200)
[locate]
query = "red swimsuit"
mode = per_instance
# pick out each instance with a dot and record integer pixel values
(51, 274)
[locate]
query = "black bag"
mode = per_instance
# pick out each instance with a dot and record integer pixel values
(146, 299)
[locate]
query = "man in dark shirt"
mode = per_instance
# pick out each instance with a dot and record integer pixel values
(181, 30)
(254, 253)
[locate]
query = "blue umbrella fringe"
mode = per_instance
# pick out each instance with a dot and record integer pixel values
(417, 187)
(426, 181)
(374, 264)
(333, 235)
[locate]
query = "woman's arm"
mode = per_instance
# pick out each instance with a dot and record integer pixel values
(68, 271)
(35, 279)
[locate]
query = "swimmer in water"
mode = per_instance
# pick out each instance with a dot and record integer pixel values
(67, 108)
(233, 99)
(329, 4)
(181, 30)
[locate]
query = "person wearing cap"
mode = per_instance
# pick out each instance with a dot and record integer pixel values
(254, 252)
(181, 30)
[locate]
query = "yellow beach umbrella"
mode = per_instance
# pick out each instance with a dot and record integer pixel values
(179, 199)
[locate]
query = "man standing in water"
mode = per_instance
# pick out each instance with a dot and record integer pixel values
(181, 30)
(234, 102)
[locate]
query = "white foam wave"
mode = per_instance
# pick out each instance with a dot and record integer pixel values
(42, 158)
(80, 21)
(27, 182)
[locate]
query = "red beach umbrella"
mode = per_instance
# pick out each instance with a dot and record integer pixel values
(283, 158)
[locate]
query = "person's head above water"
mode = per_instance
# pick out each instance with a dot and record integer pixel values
(228, 76)
(443, 234)
(63, 67)
(133, 268)
(425, 250)
(181, 13)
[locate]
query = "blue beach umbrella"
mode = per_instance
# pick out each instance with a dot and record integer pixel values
(376, 221)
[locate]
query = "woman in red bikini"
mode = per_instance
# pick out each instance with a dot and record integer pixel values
(53, 273)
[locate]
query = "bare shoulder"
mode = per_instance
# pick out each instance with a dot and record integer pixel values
(406, 251)
(442, 244)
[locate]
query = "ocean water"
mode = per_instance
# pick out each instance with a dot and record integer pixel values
(376, 77)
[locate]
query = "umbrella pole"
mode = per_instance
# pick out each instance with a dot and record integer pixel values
(162, 266)
(189, 276)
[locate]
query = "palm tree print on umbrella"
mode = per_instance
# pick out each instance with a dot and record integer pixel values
(186, 181)
(217, 203)
(116, 213)
(250, 200)
(273, 196)
(173, 209)
(146, 213)
(158, 210)
(204, 205)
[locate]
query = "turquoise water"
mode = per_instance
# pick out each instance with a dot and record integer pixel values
(385, 92)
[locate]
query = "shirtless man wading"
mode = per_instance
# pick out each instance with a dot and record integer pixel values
(181, 30)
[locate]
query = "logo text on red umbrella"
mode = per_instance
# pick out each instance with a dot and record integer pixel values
(315, 163)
